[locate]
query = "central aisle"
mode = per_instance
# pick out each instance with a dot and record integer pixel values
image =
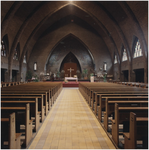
(71, 124)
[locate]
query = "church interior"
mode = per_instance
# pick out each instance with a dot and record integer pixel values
(74, 74)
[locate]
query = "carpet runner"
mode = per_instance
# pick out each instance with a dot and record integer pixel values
(71, 84)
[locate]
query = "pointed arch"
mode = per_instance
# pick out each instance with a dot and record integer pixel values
(73, 58)
(63, 47)
(115, 58)
(124, 55)
(16, 55)
(136, 48)
(70, 34)
(5, 46)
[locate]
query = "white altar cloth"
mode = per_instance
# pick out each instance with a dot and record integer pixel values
(71, 78)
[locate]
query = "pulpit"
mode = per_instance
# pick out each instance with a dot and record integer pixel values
(70, 69)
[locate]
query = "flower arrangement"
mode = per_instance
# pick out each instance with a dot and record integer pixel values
(104, 77)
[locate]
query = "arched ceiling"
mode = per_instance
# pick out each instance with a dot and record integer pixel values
(67, 47)
(114, 22)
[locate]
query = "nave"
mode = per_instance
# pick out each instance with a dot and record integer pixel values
(71, 125)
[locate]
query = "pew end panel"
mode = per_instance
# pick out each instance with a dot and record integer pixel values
(138, 131)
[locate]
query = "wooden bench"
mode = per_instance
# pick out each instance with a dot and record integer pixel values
(52, 90)
(122, 114)
(100, 102)
(137, 84)
(138, 131)
(6, 84)
(29, 93)
(49, 91)
(131, 101)
(8, 133)
(23, 118)
(17, 101)
(42, 101)
(95, 94)
(114, 90)
(88, 90)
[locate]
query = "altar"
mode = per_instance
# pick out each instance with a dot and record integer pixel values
(71, 79)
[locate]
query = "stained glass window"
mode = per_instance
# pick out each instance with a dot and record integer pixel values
(15, 57)
(3, 49)
(124, 57)
(115, 59)
(138, 50)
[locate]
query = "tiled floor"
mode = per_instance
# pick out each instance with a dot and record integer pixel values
(71, 125)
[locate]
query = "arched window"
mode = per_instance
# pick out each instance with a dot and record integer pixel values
(124, 55)
(115, 59)
(3, 48)
(17, 52)
(24, 59)
(15, 57)
(137, 49)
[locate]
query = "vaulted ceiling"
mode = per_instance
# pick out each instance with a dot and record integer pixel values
(115, 23)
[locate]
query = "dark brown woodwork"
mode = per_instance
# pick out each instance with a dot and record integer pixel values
(67, 66)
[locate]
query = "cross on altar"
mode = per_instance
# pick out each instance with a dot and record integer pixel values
(70, 71)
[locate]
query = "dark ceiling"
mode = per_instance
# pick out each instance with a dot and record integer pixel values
(111, 21)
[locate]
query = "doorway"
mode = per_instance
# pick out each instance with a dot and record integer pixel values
(139, 75)
(14, 75)
(3, 74)
(125, 76)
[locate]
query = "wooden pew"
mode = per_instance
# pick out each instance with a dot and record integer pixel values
(96, 91)
(15, 101)
(137, 84)
(138, 131)
(30, 93)
(100, 102)
(131, 101)
(114, 90)
(91, 91)
(53, 90)
(42, 101)
(96, 94)
(5, 111)
(6, 84)
(88, 90)
(122, 114)
(8, 133)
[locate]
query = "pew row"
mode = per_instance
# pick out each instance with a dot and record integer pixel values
(22, 117)
(42, 101)
(8, 133)
(122, 115)
(20, 102)
(137, 131)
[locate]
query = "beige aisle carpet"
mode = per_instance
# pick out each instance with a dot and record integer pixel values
(71, 124)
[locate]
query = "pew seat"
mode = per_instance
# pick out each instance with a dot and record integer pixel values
(138, 131)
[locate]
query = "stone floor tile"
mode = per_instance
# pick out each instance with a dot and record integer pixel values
(71, 124)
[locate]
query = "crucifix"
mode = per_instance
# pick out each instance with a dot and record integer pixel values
(70, 71)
